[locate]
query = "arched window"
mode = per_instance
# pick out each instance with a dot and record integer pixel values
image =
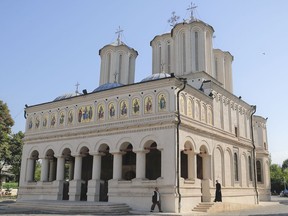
(196, 52)
(236, 174)
(108, 66)
(250, 168)
(183, 53)
(117, 79)
(169, 56)
(184, 165)
(259, 171)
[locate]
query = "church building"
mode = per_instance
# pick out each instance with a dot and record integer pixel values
(180, 129)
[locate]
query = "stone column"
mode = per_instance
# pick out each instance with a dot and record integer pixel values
(96, 166)
(78, 168)
(44, 169)
(140, 164)
(191, 165)
(75, 184)
(60, 168)
(30, 170)
(117, 165)
(93, 193)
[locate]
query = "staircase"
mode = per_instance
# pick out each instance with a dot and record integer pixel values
(203, 207)
(67, 207)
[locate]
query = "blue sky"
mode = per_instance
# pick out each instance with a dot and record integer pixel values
(47, 46)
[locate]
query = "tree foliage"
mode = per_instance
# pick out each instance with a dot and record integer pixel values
(16, 146)
(10, 144)
(285, 164)
(6, 123)
(279, 177)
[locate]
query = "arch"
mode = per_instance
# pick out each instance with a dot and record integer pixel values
(244, 170)
(148, 140)
(190, 108)
(204, 147)
(99, 145)
(228, 166)
(182, 103)
(123, 143)
(65, 147)
(83, 148)
(219, 163)
(189, 143)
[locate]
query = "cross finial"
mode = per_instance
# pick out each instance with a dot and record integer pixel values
(119, 31)
(77, 85)
(115, 77)
(173, 20)
(192, 8)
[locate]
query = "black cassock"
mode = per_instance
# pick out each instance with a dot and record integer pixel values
(218, 194)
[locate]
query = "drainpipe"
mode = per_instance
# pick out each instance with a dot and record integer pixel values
(254, 154)
(177, 145)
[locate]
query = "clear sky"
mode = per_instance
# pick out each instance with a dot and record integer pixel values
(47, 46)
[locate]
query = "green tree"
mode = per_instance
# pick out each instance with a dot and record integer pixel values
(6, 123)
(277, 180)
(285, 164)
(16, 146)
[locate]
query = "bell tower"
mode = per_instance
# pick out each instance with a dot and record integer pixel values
(117, 62)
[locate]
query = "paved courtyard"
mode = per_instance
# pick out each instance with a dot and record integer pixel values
(277, 207)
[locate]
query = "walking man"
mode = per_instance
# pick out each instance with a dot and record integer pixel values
(156, 200)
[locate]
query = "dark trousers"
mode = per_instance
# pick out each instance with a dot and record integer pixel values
(154, 204)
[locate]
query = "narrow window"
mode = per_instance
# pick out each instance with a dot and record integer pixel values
(236, 176)
(119, 69)
(184, 53)
(169, 57)
(109, 67)
(236, 131)
(259, 171)
(250, 168)
(196, 52)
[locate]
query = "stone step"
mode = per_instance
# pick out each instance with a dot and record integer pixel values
(203, 207)
(72, 207)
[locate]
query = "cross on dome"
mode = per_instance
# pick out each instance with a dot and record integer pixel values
(77, 85)
(119, 31)
(192, 8)
(173, 20)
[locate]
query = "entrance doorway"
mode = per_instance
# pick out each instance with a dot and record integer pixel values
(106, 173)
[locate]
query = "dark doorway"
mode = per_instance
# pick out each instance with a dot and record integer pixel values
(199, 167)
(106, 174)
(153, 162)
(86, 175)
(184, 165)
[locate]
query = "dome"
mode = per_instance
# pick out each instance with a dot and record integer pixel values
(65, 96)
(107, 86)
(156, 77)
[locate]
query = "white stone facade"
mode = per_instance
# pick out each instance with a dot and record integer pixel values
(180, 133)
